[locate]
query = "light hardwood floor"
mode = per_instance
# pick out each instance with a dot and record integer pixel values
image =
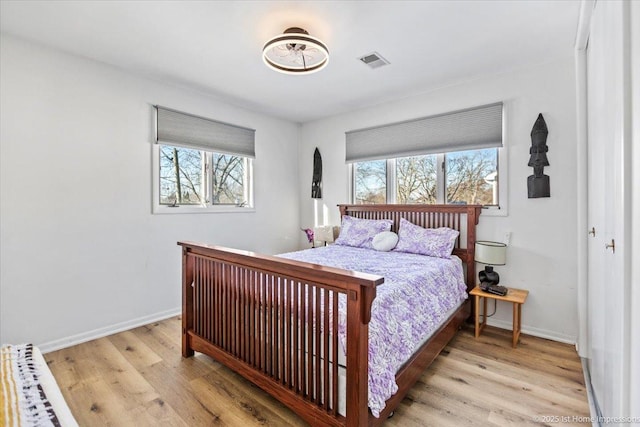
(138, 378)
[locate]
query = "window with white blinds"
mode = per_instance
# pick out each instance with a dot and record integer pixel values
(452, 158)
(187, 130)
(463, 130)
(201, 165)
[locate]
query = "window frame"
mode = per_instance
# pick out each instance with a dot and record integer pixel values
(207, 184)
(491, 210)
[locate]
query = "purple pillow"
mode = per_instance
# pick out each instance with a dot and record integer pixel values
(360, 232)
(437, 242)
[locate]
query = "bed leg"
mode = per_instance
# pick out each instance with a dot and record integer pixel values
(187, 301)
(187, 351)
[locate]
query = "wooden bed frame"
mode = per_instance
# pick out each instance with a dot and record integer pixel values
(265, 318)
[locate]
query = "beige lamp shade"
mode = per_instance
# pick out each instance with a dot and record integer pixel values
(325, 233)
(491, 253)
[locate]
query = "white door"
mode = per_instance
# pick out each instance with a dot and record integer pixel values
(607, 286)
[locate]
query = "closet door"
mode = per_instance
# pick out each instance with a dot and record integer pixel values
(607, 288)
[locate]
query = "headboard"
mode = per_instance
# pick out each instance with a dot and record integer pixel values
(463, 218)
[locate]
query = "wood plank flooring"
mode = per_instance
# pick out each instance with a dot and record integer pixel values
(138, 378)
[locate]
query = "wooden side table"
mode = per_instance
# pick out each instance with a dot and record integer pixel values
(515, 296)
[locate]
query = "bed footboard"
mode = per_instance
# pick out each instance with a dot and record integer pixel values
(275, 322)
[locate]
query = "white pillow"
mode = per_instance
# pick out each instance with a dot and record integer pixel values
(385, 241)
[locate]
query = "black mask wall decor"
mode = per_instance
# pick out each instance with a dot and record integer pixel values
(538, 183)
(316, 181)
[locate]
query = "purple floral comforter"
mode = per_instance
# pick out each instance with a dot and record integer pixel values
(414, 299)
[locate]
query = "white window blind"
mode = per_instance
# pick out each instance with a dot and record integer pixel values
(186, 130)
(470, 129)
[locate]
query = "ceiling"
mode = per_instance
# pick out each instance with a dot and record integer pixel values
(215, 47)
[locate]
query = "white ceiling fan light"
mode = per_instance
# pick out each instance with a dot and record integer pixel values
(295, 52)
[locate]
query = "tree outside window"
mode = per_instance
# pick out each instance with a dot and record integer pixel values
(195, 177)
(416, 180)
(472, 177)
(228, 179)
(371, 182)
(181, 176)
(465, 177)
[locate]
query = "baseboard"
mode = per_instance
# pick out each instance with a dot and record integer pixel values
(540, 333)
(107, 330)
(596, 416)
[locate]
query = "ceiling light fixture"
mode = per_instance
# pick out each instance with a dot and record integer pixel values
(295, 52)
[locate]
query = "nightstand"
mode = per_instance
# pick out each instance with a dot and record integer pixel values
(515, 296)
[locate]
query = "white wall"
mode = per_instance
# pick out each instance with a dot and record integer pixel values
(542, 256)
(81, 253)
(634, 350)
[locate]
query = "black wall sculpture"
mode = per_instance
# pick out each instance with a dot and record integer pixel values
(538, 183)
(316, 181)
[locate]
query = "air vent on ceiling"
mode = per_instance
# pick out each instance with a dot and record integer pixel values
(374, 60)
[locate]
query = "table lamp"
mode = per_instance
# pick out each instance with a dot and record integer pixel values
(325, 234)
(490, 253)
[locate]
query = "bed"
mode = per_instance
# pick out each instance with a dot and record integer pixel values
(283, 323)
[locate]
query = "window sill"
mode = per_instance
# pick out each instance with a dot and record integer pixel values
(168, 210)
(495, 211)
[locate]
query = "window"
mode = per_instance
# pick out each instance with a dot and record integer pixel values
(471, 177)
(182, 173)
(450, 158)
(185, 179)
(370, 182)
(416, 179)
(461, 177)
(201, 165)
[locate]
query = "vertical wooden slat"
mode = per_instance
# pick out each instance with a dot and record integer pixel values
(196, 296)
(309, 325)
(230, 328)
(215, 302)
(270, 347)
(223, 305)
(237, 281)
(325, 348)
(302, 329)
(242, 317)
(234, 304)
(288, 328)
(197, 290)
(334, 355)
(246, 324)
(230, 304)
(202, 297)
(281, 330)
(317, 350)
(224, 302)
(276, 323)
(202, 271)
(206, 321)
(256, 319)
(263, 322)
(250, 317)
(296, 328)
(210, 306)
(220, 285)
